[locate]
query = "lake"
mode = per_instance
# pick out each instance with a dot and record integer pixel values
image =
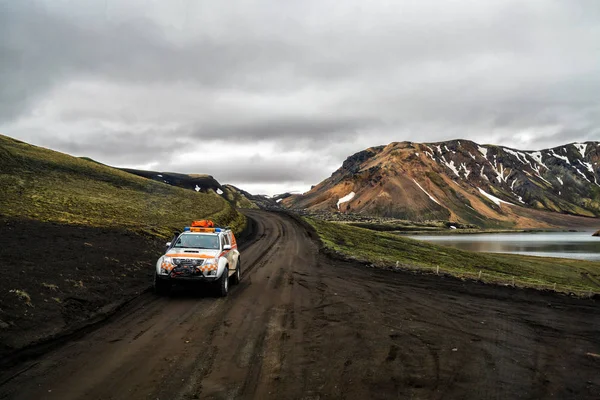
(579, 245)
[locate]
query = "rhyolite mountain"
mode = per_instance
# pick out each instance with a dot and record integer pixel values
(462, 181)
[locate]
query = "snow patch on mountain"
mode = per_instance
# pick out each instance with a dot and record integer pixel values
(345, 199)
(560, 180)
(537, 156)
(494, 198)
(467, 171)
(587, 165)
(483, 151)
(581, 147)
(219, 191)
(424, 191)
(197, 188)
(583, 175)
(539, 174)
(520, 155)
(516, 154)
(451, 166)
(566, 159)
(499, 172)
(482, 174)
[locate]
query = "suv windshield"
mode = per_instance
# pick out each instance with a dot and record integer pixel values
(198, 241)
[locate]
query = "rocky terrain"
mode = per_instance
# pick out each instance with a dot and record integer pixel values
(465, 182)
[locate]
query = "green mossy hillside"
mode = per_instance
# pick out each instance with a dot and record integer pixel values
(46, 185)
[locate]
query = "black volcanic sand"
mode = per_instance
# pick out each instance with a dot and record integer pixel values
(301, 325)
(55, 278)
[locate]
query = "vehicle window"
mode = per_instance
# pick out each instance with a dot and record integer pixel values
(198, 241)
(226, 238)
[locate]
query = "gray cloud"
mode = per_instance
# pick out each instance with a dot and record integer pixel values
(121, 148)
(257, 170)
(133, 83)
(290, 128)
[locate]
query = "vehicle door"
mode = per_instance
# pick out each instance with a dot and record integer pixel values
(234, 251)
(228, 253)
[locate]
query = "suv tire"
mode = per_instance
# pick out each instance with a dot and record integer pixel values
(237, 276)
(223, 283)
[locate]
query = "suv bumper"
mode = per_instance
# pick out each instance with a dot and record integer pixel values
(187, 278)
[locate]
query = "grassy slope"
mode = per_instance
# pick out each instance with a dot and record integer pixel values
(238, 198)
(386, 249)
(46, 185)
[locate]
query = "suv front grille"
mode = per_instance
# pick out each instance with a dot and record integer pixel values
(189, 262)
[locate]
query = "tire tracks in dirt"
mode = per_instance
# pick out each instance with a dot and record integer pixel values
(303, 326)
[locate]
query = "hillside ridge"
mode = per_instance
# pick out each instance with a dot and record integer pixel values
(49, 186)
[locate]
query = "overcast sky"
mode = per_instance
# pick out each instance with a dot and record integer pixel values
(273, 95)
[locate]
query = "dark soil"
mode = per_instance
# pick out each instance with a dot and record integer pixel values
(57, 277)
(301, 325)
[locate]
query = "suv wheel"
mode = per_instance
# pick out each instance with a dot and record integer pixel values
(237, 277)
(161, 287)
(223, 283)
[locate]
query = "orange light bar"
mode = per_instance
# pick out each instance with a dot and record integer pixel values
(196, 229)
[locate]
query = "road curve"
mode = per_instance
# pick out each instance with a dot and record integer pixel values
(301, 326)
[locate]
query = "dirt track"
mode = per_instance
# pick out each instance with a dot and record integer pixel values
(301, 326)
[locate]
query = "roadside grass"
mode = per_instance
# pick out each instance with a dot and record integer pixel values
(49, 186)
(388, 250)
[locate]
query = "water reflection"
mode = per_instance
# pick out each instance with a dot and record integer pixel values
(579, 245)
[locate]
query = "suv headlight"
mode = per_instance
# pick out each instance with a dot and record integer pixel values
(213, 262)
(166, 265)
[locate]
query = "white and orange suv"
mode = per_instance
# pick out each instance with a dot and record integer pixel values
(201, 253)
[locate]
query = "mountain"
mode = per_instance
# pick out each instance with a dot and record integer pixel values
(462, 181)
(207, 184)
(198, 182)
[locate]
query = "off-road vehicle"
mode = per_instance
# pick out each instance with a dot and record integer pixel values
(201, 253)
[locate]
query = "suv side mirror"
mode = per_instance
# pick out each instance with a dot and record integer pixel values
(227, 247)
(168, 244)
